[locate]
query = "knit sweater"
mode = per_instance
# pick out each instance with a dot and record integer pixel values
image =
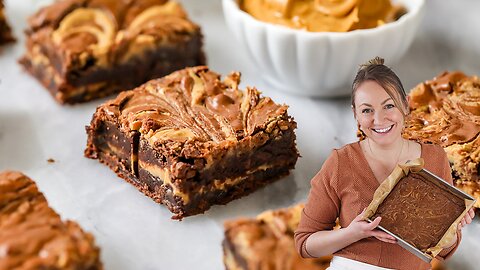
(343, 188)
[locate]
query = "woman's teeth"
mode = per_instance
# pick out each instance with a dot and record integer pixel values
(383, 130)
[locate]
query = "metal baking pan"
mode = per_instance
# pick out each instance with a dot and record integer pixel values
(433, 178)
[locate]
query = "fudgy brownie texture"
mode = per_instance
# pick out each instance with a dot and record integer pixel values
(266, 242)
(86, 49)
(32, 235)
(190, 140)
(5, 31)
(418, 217)
(446, 111)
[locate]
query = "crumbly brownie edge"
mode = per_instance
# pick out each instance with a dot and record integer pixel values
(201, 203)
(153, 187)
(195, 186)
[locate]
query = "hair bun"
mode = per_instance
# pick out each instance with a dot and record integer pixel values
(373, 62)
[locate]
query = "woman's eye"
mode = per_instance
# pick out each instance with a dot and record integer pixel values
(389, 106)
(366, 110)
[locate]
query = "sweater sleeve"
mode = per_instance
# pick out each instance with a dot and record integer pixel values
(322, 206)
(447, 175)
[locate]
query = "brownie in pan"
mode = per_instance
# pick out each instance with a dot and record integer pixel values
(420, 218)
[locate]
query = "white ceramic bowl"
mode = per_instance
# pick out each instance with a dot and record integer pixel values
(320, 64)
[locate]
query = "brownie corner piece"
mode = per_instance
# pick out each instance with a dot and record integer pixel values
(5, 30)
(82, 50)
(191, 140)
(33, 236)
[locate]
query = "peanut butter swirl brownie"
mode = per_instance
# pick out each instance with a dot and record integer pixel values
(85, 49)
(446, 111)
(32, 235)
(408, 206)
(190, 140)
(266, 242)
(5, 31)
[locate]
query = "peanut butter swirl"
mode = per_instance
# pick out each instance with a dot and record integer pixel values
(32, 235)
(324, 15)
(195, 105)
(111, 31)
(418, 217)
(445, 110)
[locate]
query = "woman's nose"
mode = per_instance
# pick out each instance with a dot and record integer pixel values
(378, 117)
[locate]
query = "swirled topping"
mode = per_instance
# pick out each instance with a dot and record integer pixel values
(86, 29)
(445, 110)
(430, 213)
(324, 15)
(156, 24)
(110, 30)
(194, 105)
(33, 236)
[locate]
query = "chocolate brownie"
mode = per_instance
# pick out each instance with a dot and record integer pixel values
(266, 242)
(33, 236)
(446, 111)
(190, 140)
(85, 49)
(5, 31)
(421, 218)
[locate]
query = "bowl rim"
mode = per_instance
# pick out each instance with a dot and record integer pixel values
(411, 14)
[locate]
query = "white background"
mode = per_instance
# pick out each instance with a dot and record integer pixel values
(136, 233)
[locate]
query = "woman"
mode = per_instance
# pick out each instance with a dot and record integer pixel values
(345, 185)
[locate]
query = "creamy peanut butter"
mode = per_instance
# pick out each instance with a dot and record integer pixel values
(324, 15)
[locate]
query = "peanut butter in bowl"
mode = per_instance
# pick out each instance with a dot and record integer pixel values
(324, 15)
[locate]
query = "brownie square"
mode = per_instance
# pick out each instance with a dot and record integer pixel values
(418, 217)
(85, 49)
(446, 111)
(191, 140)
(33, 236)
(5, 31)
(266, 242)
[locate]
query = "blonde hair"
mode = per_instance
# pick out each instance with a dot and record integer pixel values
(375, 70)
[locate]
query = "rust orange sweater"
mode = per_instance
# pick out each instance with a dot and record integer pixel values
(343, 188)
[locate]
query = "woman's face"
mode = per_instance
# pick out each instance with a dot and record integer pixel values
(375, 111)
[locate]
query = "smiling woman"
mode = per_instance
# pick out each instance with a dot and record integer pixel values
(379, 104)
(349, 177)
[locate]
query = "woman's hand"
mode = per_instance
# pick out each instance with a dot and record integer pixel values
(362, 229)
(467, 219)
